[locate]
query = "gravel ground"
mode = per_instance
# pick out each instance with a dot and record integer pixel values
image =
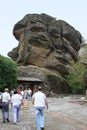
(65, 113)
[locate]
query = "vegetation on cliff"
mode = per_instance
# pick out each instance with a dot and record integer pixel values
(75, 78)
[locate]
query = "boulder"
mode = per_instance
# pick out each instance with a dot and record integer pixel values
(47, 43)
(51, 82)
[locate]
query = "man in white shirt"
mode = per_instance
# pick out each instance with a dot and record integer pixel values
(29, 92)
(16, 102)
(5, 106)
(39, 101)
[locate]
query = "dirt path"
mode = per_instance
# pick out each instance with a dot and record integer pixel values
(64, 114)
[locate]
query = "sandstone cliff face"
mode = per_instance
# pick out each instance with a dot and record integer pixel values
(45, 42)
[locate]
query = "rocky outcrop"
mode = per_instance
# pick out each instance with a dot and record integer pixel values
(50, 81)
(45, 42)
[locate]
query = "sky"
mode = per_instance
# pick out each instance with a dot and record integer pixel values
(73, 12)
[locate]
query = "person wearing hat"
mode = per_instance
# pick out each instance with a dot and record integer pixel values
(39, 101)
(5, 106)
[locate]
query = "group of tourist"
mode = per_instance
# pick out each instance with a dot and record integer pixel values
(25, 93)
(16, 101)
(39, 101)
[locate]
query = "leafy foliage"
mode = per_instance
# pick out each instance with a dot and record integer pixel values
(83, 53)
(75, 78)
(8, 72)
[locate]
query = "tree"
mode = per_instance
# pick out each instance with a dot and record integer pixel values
(8, 73)
(75, 77)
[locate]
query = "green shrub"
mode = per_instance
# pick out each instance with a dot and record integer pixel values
(75, 77)
(8, 72)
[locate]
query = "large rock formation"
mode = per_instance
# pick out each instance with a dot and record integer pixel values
(53, 83)
(45, 42)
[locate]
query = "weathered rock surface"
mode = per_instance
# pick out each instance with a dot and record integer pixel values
(52, 83)
(45, 42)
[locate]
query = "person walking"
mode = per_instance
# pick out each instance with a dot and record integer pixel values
(39, 101)
(29, 92)
(5, 105)
(25, 93)
(16, 102)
